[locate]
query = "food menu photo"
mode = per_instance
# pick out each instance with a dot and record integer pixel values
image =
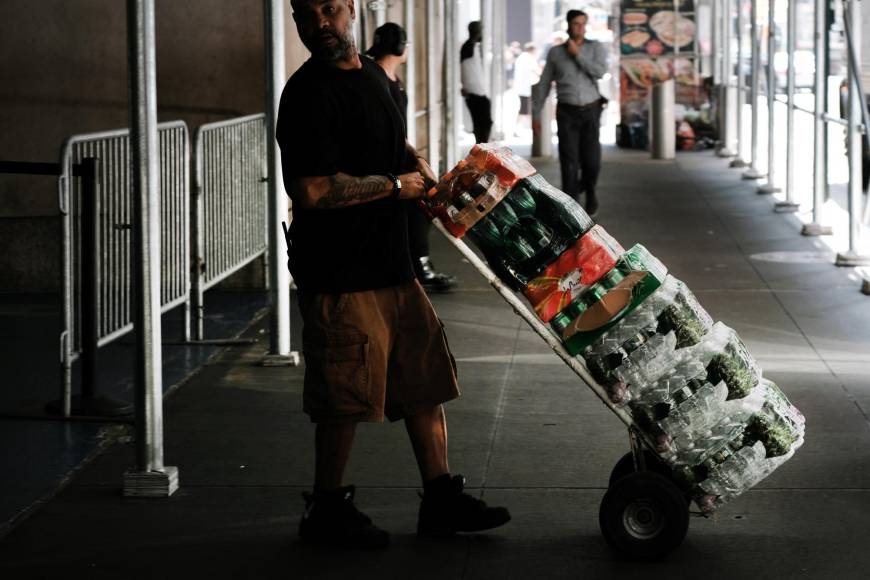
(655, 27)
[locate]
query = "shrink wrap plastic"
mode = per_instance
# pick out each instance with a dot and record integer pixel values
(472, 189)
(690, 385)
(580, 266)
(635, 277)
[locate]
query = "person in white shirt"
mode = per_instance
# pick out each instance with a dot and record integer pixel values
(526, 73)
(473, 83)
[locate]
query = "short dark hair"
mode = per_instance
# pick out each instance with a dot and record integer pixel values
(474, 27)
(572, 14)
(389, 38)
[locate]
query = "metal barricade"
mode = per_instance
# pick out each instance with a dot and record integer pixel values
(230, 205)
(111, 259)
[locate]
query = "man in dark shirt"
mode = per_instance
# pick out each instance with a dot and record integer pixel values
(373, 346)
(390, 50)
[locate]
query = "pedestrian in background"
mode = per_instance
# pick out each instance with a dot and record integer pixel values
(527, 72)
(474, 83)
(575, 66)
(390, 50)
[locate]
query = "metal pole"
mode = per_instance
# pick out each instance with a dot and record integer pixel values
(450, 88)
(279, 278)
(489, 46)
(727, 98)
(755, 77)
(820, 162)
(715, 28)
(770, 186)
(789, 204)
(379, 8)
(67, 308)
(152, 478)
(456, 82)
(411, 75)
(499, 19)
(741, 98)
(857, 113)
(431, 98)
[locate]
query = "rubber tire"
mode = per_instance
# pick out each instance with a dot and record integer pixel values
(661, 498)
(625, 466)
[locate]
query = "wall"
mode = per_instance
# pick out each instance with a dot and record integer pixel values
(63, 71)
(63, 67)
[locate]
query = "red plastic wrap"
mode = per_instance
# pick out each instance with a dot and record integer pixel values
(583, 264)
(471, 189)
(504, 163)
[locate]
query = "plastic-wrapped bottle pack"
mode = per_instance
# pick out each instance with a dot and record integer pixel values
(635, 277)
(572, 273)
(473, 188)
(690, 386)
(533, 226)
(643, 334)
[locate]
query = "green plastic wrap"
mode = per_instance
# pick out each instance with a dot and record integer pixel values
(636, 276)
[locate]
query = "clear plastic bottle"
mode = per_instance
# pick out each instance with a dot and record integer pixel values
(695, 412)
(738, 472)
(649, 362)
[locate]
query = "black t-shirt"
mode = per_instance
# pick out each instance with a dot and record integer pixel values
(400, 97)
(332, 121)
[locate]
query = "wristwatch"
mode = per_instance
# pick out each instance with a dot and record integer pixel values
(397, 185)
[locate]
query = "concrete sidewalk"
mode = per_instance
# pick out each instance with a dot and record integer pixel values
(526, 432)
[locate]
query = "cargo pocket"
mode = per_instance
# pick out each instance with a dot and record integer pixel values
(337, 374)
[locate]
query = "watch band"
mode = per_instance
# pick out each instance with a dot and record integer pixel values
(397, 185)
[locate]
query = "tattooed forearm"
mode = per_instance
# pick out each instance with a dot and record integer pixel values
(343, 190)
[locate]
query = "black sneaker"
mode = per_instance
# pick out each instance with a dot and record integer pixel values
(446, 509)
(331, 518)
(431, 279)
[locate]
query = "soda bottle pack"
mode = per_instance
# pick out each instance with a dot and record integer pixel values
(689, 383)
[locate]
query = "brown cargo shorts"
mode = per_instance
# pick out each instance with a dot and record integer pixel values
(374, 353)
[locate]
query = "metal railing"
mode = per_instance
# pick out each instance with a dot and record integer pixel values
(855, 122)
(106, 199)
(230, 205)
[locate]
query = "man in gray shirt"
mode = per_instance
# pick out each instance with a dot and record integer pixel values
(576, 67)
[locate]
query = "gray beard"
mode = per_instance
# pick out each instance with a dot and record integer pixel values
(343, 49)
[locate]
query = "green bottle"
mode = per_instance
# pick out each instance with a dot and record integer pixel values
(522, 202)
(537, 233)
(487, 234)
(517, 247)
(504, 217)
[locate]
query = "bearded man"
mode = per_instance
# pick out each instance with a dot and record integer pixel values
(372, 343)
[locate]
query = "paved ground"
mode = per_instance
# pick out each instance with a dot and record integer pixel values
(526, 433)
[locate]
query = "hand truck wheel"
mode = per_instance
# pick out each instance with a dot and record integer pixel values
(644, 516)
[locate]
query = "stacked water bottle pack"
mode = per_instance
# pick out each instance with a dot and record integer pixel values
(690, 384)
